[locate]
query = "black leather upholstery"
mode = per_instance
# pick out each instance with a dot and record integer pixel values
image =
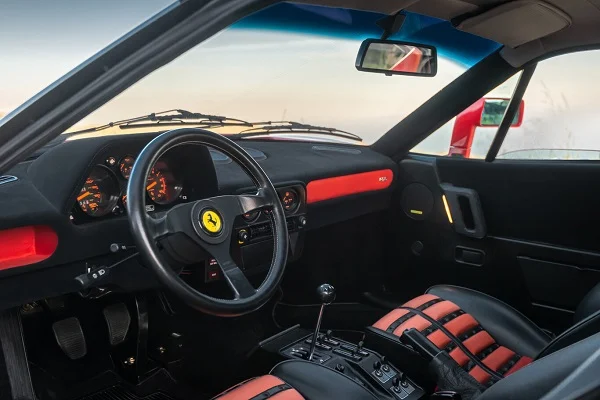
(315, 381)
(581, 330)
(508, 326)
(538, 378)
(589, 305)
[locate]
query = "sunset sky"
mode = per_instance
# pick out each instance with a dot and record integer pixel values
(255, 74)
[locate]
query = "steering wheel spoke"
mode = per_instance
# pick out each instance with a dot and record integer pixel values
(251, 202)
(234, 276)
(176, 220)
(235, 205)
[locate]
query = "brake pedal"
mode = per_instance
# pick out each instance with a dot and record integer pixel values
(118, 320)
(70, 338)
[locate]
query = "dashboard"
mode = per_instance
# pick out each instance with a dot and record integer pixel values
(71, 201)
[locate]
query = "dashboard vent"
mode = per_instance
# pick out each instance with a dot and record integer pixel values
(346, 150)
(7, 179)
(220, 158)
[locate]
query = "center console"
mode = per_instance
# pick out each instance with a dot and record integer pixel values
(366, 366)
(363, 365)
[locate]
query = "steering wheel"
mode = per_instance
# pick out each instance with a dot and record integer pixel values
(208, 223)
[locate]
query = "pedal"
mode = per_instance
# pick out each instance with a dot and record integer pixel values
(70, 338)
(118, 320)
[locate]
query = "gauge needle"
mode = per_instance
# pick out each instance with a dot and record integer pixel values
(83, 196)
(150, 186)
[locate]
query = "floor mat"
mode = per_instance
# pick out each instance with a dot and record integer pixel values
(120, 393)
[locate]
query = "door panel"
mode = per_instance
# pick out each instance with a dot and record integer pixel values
(539, 252)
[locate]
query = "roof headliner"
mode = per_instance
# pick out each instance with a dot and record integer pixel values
(584, 29)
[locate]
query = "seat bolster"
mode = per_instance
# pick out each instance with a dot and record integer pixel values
(508, 326)
(581, 330)
(539, 377)
(589, 305)
(266, 386)
(315, 381)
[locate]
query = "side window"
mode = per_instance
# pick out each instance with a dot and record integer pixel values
(561, 119)
(471, 133)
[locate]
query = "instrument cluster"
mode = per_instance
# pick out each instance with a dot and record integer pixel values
(104, 191)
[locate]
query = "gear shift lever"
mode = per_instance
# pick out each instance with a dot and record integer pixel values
(326, 294)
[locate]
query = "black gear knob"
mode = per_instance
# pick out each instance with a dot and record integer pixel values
(326, 293)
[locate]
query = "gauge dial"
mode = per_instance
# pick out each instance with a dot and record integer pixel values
(100, 192)
(251, 216)
(126, 165)
(161, 186)
(289, 199)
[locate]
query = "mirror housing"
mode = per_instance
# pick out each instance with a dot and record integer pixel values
(486, 112)
(393, 57)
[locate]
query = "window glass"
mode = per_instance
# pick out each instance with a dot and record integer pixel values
(471, 133)
(42, 40)
(561, 119)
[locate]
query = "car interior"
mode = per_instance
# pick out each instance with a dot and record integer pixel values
(185, 264)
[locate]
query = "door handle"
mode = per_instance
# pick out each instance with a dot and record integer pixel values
(467, 255)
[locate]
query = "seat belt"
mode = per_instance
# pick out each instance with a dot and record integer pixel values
(15, 356)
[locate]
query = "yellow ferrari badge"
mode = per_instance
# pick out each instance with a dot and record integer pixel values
(211, 221)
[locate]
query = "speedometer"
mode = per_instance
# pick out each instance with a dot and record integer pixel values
(100, 192)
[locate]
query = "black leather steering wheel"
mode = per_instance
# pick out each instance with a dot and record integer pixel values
(207, 222)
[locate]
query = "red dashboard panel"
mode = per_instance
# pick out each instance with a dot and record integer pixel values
(26, 245)
(339, 186)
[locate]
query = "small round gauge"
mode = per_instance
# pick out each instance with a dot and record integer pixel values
(161, 186)
(126, 165)
(100, 192)
(251, 216)
(289, 199)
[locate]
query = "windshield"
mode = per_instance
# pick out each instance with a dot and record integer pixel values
(43, 40)
(293, 63)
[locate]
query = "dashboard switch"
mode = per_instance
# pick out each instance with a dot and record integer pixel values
(243, 236)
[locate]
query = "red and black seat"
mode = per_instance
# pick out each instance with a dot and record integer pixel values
(297, 380)
(484, 335)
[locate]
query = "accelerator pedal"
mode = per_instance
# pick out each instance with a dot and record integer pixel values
(118, 320)
(70, 338)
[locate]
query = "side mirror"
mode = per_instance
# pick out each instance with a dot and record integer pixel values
(392, 57)
(486, 112)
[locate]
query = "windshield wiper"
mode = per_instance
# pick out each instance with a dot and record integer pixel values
(291, 127)
(176, 117)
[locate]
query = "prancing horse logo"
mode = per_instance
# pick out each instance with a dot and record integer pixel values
(211, 222)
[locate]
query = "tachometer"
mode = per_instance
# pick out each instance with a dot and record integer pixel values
(100, 192)
(126, 165)
(161, 186)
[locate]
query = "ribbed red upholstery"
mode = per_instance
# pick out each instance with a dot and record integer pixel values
(267, 386)
(462, 326)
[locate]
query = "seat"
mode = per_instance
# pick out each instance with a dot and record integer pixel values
(297, 380)
(484, 335)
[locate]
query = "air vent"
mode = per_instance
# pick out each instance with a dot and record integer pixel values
(7, 179)
(346, 150)
(220, 158)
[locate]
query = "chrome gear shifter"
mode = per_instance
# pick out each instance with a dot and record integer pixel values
(326, 294)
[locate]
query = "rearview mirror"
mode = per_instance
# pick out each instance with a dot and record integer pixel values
(392, 57)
